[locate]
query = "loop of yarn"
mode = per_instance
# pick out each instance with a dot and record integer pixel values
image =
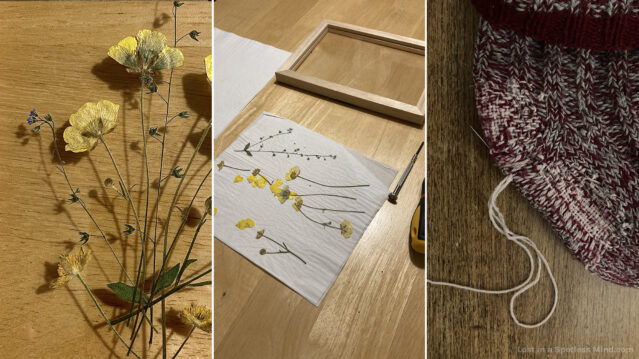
(498, 221)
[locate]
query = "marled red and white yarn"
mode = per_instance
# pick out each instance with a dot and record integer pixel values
(563, 122)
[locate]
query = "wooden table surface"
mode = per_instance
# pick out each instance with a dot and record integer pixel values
(54, 59)
(375, 309)
(463, 247)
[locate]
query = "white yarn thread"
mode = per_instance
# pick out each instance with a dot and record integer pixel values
(499, 223)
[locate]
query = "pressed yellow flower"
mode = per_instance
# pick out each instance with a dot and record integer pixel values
(284, 194)
(209, 67)
(69, 266)
(198, 316)
(293, 173)
(256, 181)
(347, 228)
(275, 187)
(146, 52)
(298, 204)
(238, 178)
(220, 165)
(245, 223)
(214, 211)
(89, 123)
(260, 233)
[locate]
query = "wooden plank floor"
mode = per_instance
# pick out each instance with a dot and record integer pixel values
(54, 59)
(375, 309)
(463, 247)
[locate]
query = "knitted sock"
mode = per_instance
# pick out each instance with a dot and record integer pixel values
(563, 122)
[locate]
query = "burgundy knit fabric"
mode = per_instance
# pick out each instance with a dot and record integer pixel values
(589, 24)
(565, 123)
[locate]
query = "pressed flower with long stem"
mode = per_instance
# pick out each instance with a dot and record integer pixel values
(294, 173)
(284, 248)
(145, 54)
(197, 316)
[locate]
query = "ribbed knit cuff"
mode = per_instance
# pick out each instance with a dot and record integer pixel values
(562, 27)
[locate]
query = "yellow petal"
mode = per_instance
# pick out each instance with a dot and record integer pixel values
(292, 195)
(107, 112)
(275, 186)
(75, 142)
(168, 59)
(245, 223)
(124, 52)
(261, 182)
(150, 43)
(214, 211)
(209, 67)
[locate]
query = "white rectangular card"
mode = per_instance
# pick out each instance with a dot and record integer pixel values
(304, 249)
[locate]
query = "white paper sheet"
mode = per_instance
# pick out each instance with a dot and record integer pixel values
(242, 67)
(325, 250)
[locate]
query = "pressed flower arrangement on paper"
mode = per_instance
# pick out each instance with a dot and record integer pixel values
(153, 230)
(295, 202)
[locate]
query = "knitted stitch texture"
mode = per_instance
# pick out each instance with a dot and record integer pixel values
(590, 24)
(564, 122)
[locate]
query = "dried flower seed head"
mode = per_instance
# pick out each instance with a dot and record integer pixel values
(89, 123)
(346, 228)
(298, 204)
(194, 34)
(178, 172)
(262, 251)
(284, 194)
(198, 316)
(129, 229)
(260, 233)
(220, 165)
(108, 182)
(293, 173)
(184, 114)
(256, 172)
(84, 237)
(146, 52)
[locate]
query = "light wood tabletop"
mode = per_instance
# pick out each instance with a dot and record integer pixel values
(463, 247)
(54, 59)
(375, 309)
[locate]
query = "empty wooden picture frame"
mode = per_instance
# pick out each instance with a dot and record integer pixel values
(287, 73)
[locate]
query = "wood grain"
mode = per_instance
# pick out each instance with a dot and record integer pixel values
(53, 58)
(375, 309)
(464, 248)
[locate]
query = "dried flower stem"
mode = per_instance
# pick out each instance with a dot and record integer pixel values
(105, 317)
(332, 210)
(327, 195)
(166, 228)
(82, 204)
(160, 298)
(184, 342)
(325, 185)
(188, 252)
(282, 245)
(325, 224)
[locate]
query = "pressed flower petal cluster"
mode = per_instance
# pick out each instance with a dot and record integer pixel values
(69, 266)
(89, 123)
(146, 52)
(199, 316)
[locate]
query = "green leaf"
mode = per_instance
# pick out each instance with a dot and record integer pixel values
(247, 146)
(187, 263)
(249, 153)
(126, 292)
(166, 279)
(199, 284)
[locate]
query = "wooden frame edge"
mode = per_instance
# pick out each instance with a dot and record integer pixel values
(287, 72)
